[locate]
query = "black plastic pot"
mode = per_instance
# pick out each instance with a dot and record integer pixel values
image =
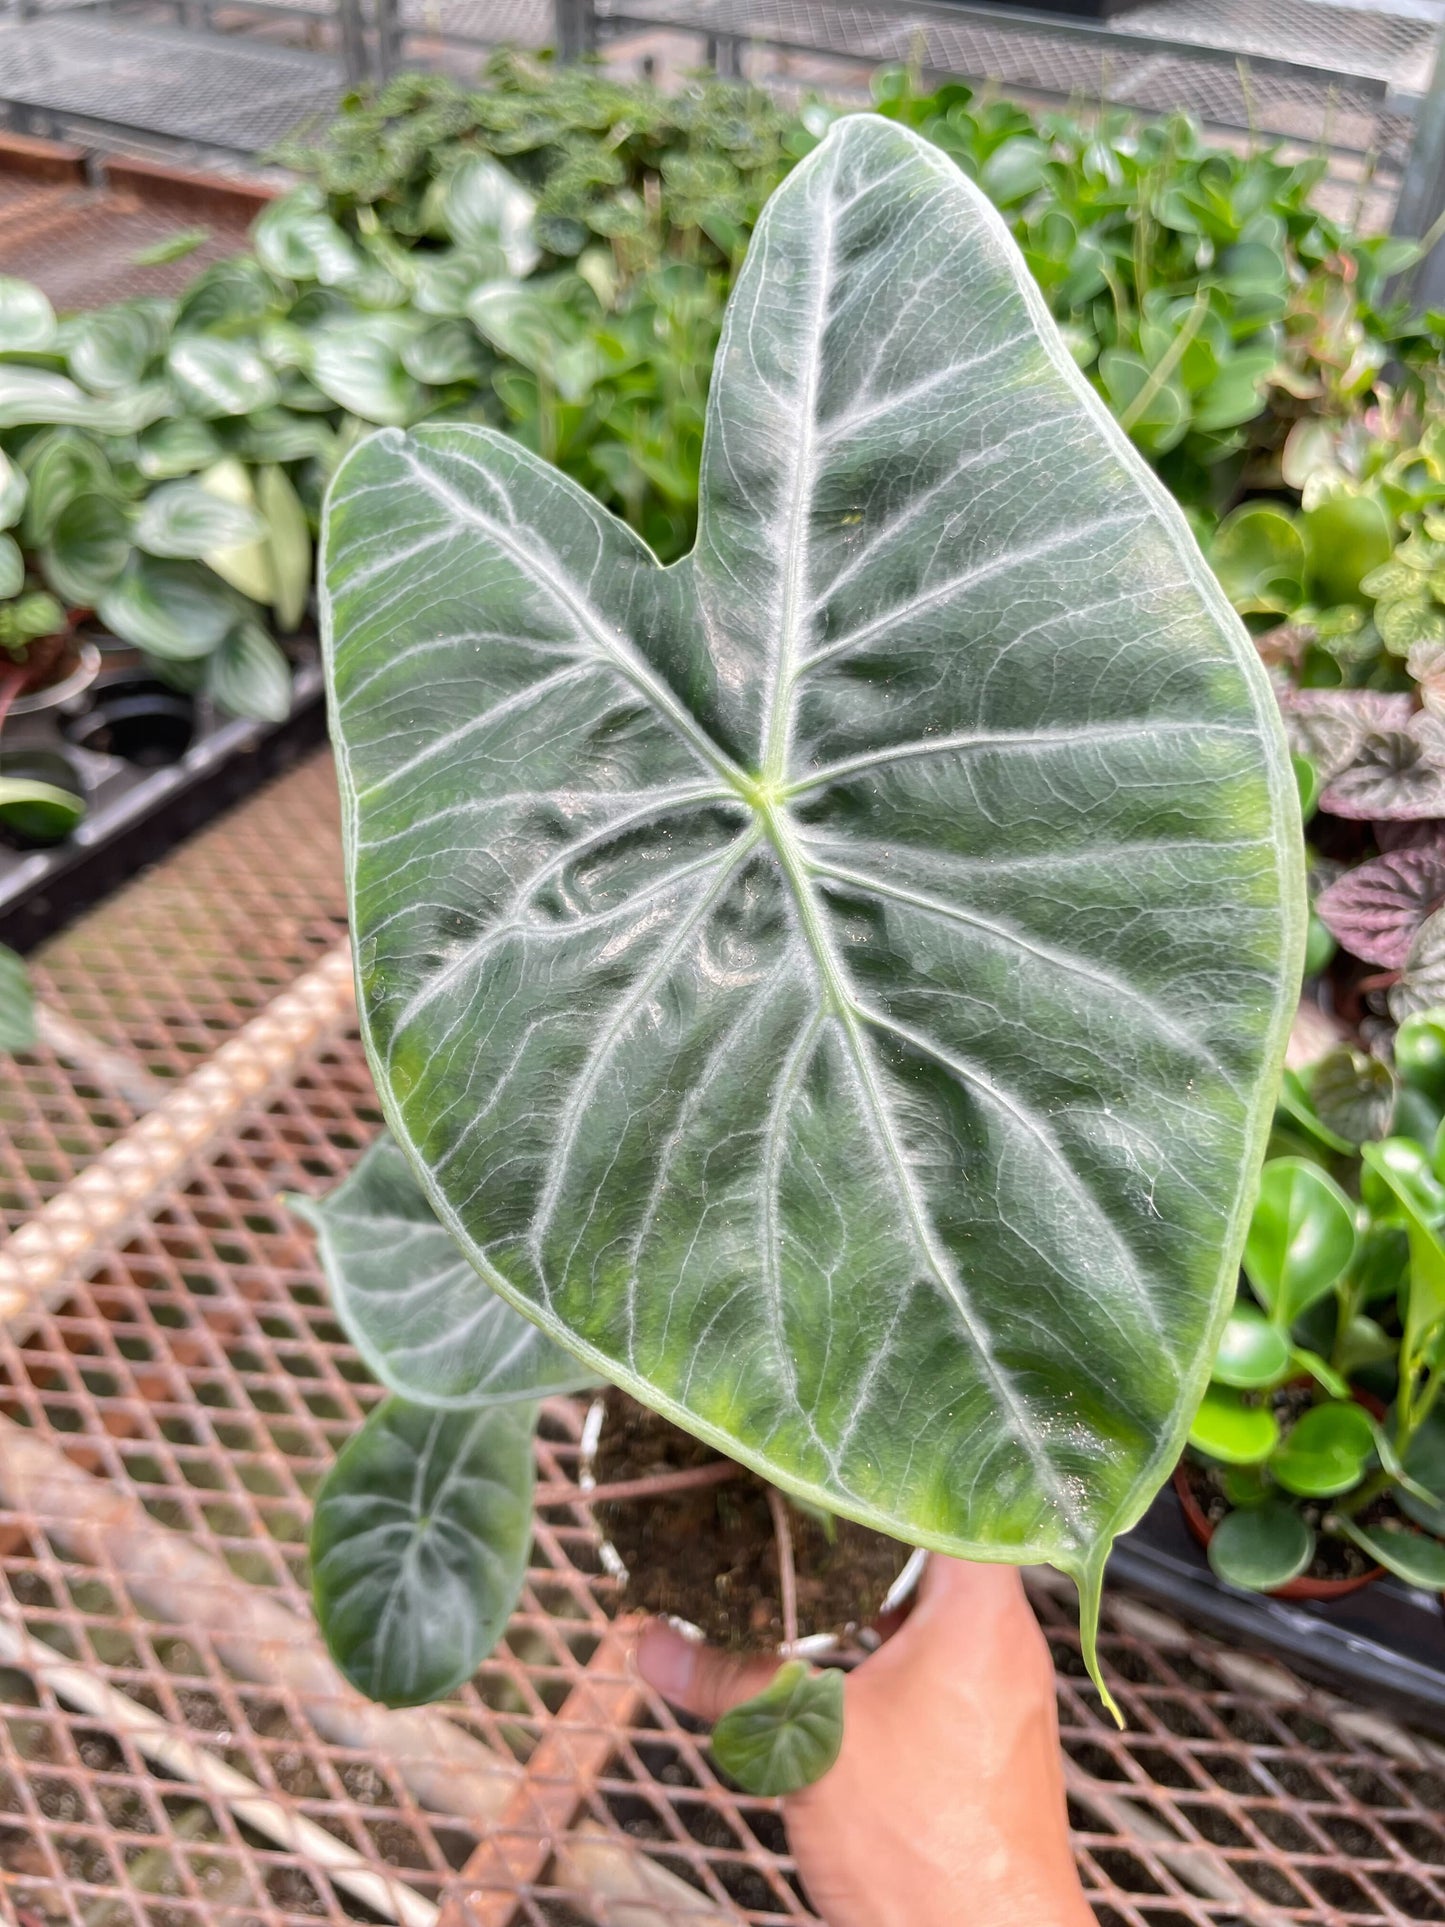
(153, 765)
(1384, 1646)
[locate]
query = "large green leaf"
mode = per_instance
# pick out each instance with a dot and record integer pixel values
(419, 1545)
(836, 984)
(413, 1305)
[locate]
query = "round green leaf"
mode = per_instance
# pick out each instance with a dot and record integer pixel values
(1408, 622)
(1262, 1547)
(249, 676)
(87, 549)
(40, 811)
(175, 610)
(1416, 1557)
(785, 1737)
(218, 377)
(27, 320)
(1347, 535)
(185, 519)
(419, 1545)
(17, 1002)
(1258, 553)
(1420, 1053)
(1231, 1429)
(1252, 1352)
(744, 944)
(1326, 1451)
(1301, 1237)
(414, 1306)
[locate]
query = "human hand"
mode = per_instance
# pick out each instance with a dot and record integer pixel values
(946, 1804)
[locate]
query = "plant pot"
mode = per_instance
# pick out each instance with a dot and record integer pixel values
(138, 719)
(706, 1558)
(1202, 1528)
(62, 683)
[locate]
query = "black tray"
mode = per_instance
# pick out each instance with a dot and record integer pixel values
(1384, 1646)
(138, 808)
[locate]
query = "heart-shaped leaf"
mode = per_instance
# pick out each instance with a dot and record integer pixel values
(27, 320)
(785, 1737)
(1375, 909)
(249, 676)
(17, 1002)
(1395, 775)
(185, 519)
(175, 610)
(745, 946)
(1301, 1237)
(217, 377)
(1353, 1094)
(1422, 982)
(1326, 1451)
(412, 1304)
(1329, 725)
(1262, 1547)
(419, 1545)
(1258, 554)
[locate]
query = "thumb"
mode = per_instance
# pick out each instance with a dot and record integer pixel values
(698, 1678)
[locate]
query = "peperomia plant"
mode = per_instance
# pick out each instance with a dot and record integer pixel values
(832, 987)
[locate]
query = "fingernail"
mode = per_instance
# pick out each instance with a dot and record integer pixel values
(666, 1659)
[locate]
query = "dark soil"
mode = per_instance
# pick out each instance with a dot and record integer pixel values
(1334, 1558)
(710, 1557)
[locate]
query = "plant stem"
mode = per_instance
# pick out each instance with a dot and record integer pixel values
(787, 1573)
(660, 1485)
(12, 681)
(1167, 362)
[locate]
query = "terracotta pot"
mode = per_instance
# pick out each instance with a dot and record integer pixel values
(1201, 1527)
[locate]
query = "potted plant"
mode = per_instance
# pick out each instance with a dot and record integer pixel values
(1317, 1456)
(832, 988)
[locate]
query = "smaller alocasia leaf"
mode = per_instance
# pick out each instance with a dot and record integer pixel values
(13, 490)
(785, 1737)
(171, 609)
(216, 378)
(419, 1545)
(1252, 1351)
(424, 1321)
(186, 520)
(1415, 1557)
(1262, 1547)
(1228, 1428)
(249, 676)
(17, 1002)
(38, 810)
(1422, 981)
(1353, 1094)
(1301, 1237)
(1326, 1451)
(27, 320)
(1375, 910)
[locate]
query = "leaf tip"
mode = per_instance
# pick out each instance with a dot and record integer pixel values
(1089, 1578)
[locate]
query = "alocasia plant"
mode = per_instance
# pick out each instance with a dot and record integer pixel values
(834, 986)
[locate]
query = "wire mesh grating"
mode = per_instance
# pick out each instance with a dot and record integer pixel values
(162, 1431)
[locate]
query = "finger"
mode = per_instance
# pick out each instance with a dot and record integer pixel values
(698, 1678)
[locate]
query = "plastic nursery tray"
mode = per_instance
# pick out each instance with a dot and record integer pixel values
(1384, 1646)
(152, 764)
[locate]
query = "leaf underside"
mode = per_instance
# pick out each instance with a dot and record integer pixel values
(834, 984)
